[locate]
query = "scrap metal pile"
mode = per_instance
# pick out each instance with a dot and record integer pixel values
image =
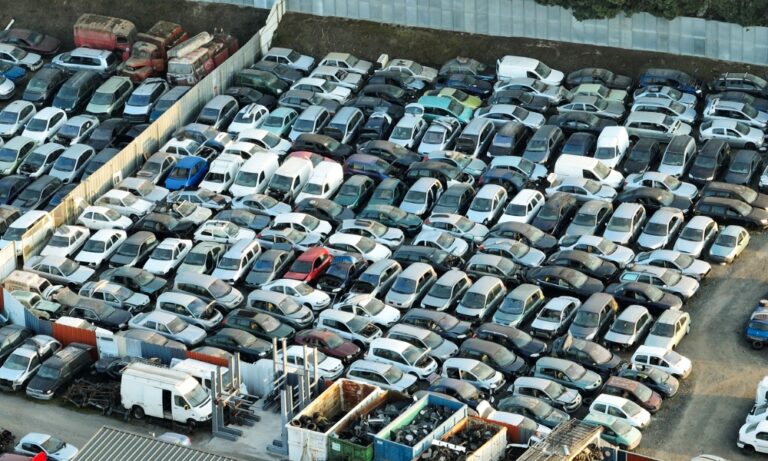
(424, 423)
(362, 430)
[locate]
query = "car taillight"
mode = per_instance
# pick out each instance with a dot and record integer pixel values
(480, 248)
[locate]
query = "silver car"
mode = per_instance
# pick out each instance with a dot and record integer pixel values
(667, 107)
(718, 109)
(515, 250)
(675, 260)
(661, 228)
(377, 278)
(629, 328)
(625, 224)
(553, 93)
(665, 279)
(600, 247)
(736, 134)
(666, 92)
(500, 114)
(594, 105)
(169, 325)
(437, 347)
(589, 218)
(729, 244)
(59, 270)
(656, 126)
(447, 291)
(662, 181)
(411, 285)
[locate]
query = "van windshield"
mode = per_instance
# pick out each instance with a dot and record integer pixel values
(102, 98)
(247, 179)
(229, 263)
(196, 397)
(404, 285)
(280, 182)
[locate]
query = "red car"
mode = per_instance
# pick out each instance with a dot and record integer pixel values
(309, 265)
(30, 40)
(329, 343)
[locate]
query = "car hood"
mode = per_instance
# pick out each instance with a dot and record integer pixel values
(154, 286)
(400, 299)
(622, 238)
(11, 375)
(42, 386)
(32, 59)
(619, 338)
(689, 247)
(190, 335)
(582, 332)
(721, 251)
(701, 173)
(505, 318)
(81, 275)
(117, 318)
(652, 242)
(138, 300)
(445, 350)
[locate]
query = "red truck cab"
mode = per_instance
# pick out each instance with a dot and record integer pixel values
(105, 33)
(149, 54)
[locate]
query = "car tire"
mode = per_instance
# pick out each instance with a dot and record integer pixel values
(758, 345)
(750, 146)
(191, 424)
(137, 412)
(748, 450)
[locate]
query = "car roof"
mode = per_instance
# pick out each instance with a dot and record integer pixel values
(370, 365)
(609, 399)
(555, 362)
(632, 313)
(391, 344)
(416, 270)
(485, 283)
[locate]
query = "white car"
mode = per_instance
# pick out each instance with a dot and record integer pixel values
(600, 247)
(45, 124)
(409, 131)
(167, 256)
(422, 196)
(521, 165)
(55, 449)
(488, 204)
(14, 116)
(144, 189)
(323, 88)
(101, 217)
(753, 437)
(215, 230)
(500, 114)
(260, 204)
(456, 225)
(66, 240)
(266, 140)
(737, 134)
(697, 235)
(440, 135)
(670, 328)
(346, 243)
(367, 306)
(412, 69)
(169, 325)
(662, 181)
(58, 270)
(300, 292)
(40, 160)
(581, 188)
(442, 240)
(662, 359)
(407, 357)
(555, 317)
(302, 222)
(125, 203)
(100, 246)
(22, 364)
(250, 116)
(621, 408)
(328, 367)
(523, 207)
(7, 87)
(388, 236)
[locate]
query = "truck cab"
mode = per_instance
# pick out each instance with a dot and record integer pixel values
(149, 53)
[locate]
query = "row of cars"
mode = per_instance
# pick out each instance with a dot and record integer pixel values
(460, 261)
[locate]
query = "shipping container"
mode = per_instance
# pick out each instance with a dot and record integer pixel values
(340, 449)
(385, 449)
(492, 449)
(342, 397)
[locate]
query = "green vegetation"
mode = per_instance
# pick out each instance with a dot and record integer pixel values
(744, 12)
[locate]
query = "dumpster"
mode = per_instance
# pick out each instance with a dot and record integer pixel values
(473, 438)
(309, 430)
(411, 433)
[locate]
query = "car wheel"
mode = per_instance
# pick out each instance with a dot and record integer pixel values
(748, 450)
(750, 146)
(757, 345)
(137, 412)
(191, 424)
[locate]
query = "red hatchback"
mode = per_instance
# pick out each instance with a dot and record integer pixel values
(329, 343)
(635, 391)
(310, 265)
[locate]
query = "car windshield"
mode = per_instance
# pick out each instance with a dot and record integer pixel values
(140, 100)
(674, 158)
(726, 240)
(619, 224)
(273, 122)
(95, 246)
(548, 214)
(162, 254)
(49, 372)
(9, 117)
(16, 362)
(584, 219)
(35, 160)
(537, 145)
(103, 99)
(288, 306)
(663, 329)
(219, 289)
(393, 375)
(176, 325)
(247, 179)
(404, 285)
(304, 125)
(705, 161)
(473, 300)
(412, 354)
(482, 204)
(179, 173)
(543, 70)
(623, 327)
(658, 229)
(736, 167)
(587, 319)
(9, 155)
(52, 445)
(401, 132)
(550, 314)
(514, 209)
(482, 371)
(441, 291)
(689, 233)
(464, 224)
(670, 277)
(37, 124)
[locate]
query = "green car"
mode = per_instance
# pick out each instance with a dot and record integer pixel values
(615, 430)
(432, 107)
(389, 192)
(354, 193)
(392, 216)
(473, 102)
(602, 92)
(280, 121)
(261, 80)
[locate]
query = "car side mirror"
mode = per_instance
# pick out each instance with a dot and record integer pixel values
(186, 407)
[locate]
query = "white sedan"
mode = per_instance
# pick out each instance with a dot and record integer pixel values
(54, 449)
(328, 367)
(366, 305)
(662, 181)
(167, 256)
(66, 240)
(443, 241)
(302, 222)
(100, 246)
(125, 203)
(222, 232)
(300, 292)
(346, 243)
(582, 189)
(100, 217)
(697, 235)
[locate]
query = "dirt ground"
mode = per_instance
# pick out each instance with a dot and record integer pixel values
(56, 17)
(317, 35)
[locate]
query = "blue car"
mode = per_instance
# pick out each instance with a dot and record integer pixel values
(188, 173)
(368, 165)
(11, 72)
(466, 83)
(757, 328)
(673, 78)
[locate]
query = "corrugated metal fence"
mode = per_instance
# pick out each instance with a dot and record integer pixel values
(526, 18)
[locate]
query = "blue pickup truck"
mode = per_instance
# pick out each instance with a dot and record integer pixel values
(757, 328)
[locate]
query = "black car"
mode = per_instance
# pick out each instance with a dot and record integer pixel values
(560, 280)
(370, 104)
(581, 144)
(234, 340)
(389, 192)
(134, 250)
(740, 81)
(745, 168)
(136, 279)
(512, 338)
(556, 213)
(244, 218)
(11, 336)
(643, 294)
(511, 139)
(59, 370)
(11, 186)
(459, 389)
(588, 354)
(455, 199)
(281, 71)
(323, 145)
(573, 122)
(521, 98)
(658, 381)
(38, 193)
(376, 127)
(601, 76)
(261, 325)
(670, 77)
(325, 210)
(736, 192)
(643, 156)
(653, 198)
(389, 93)
(512, 180)
(584, 262)
(245, 96)
(468, 66)
(261, 80)
(526, 233)
(533, 408)
(100, 314)
(390, 152)
(394, 78)
(494, 355)
(163, 226)
(59, 195)
(108, 133)
(446, 325)
(725, 210)
(711, 159)
(44, 85)
(340, 275)
(440, 260)
(392, 216)
(466, 83)
(355, 192)
(435, 169)
(270, 265)
(99, 160)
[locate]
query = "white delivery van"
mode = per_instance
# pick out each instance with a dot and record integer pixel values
(325, 181)
(254, 174)
(164, 393)
(510, 67)
(290, 178)
(589, 168)
(612, 145)
(202, 371)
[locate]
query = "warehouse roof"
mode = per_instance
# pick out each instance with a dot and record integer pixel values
(119, 445)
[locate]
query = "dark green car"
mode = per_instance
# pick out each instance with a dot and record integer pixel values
(389, 192)
(233, 340)
(393, 217)
(354, 193)
(260, 325)
(261, 80)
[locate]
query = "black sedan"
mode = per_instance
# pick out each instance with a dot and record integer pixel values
(735, 192)
(270, 265)
(587, 263)
(659, 381)
(517, 340)
(233, 340)
(466, 83)
(494, 355)
(588, 354)
(643, 157)
(11, 186)
(108, 133)
(556, 213)
(164, 226)
(601, 76)
(324, 210)
(572, 122)
(444, 324)
(455, 199)
(653, 198)
(564, 281)
(712, 158)
(536, 409)
(459, 389)
(644, 294)
(521, 98)
(732, 211)
(38, 193)
(136, 279)
(745, 167)
(393, 217)
(526, 233)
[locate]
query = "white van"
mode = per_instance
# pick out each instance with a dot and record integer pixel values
(27, 281)
(164, 393)
(510, 67)
(254, 174)
(612, 145)
(237, 260)
(202, 372)
(588, 168)
(39, 220)
(288, 181)
(222, 173)
(325, 181)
